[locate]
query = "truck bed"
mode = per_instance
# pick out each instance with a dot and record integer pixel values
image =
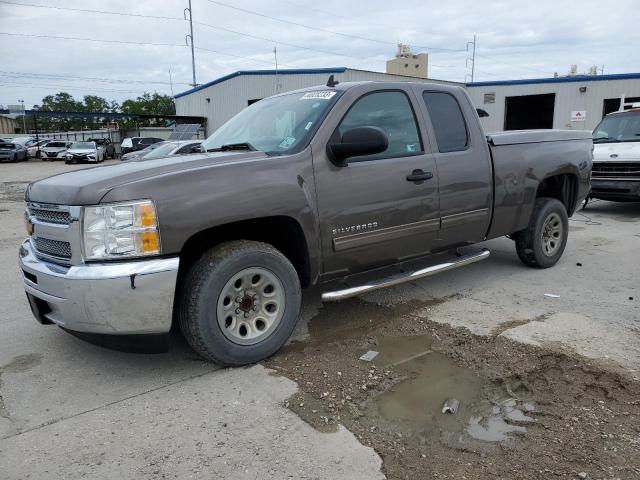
(522, 160)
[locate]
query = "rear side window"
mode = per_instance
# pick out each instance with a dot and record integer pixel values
(392, 112)
(448, 121)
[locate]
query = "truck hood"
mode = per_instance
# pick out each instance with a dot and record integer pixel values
(88, 186)
(616, 152)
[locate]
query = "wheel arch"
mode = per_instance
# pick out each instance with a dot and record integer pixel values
(562, 187)
(282, 232)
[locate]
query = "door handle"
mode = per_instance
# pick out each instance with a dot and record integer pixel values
(419, 176)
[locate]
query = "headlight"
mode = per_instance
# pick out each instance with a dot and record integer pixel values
(68, 155)
(120, 230)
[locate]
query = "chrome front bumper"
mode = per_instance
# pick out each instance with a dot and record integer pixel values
(134, 297)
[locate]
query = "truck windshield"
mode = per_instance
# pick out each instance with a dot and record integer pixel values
(619, 127)
(276, 125)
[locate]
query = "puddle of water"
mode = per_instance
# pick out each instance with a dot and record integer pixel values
(433, 378)
(492, 429)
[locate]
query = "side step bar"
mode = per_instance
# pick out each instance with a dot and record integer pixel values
(404, 277)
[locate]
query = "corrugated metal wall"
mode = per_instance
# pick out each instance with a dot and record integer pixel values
(229, 97)
(568, 99)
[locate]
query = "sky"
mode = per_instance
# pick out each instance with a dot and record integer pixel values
(141, 42)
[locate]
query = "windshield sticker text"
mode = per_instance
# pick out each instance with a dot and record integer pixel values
(320, 95)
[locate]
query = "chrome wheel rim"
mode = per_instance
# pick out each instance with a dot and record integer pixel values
(250, 306)
(552, 231)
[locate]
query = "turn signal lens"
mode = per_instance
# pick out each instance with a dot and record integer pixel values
(148, 242)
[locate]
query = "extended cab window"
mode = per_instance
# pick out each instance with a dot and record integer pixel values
(448, 121)
(392, 112)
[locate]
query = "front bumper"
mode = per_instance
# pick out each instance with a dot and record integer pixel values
(615, 189)
(134, 297)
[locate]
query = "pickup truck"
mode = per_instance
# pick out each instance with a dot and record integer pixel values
(356, 186)
(616, 163)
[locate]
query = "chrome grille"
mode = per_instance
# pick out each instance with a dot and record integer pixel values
(54, 248)
(59, 217)
(615, 169)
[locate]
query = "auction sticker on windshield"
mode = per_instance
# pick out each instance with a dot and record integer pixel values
(320, 95)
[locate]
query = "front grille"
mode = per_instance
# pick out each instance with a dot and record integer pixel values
(82, 156)
(54, 248)
(59, 217)
(615, 169)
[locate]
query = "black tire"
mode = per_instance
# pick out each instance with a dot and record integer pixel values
(529, 242)
(203, 286)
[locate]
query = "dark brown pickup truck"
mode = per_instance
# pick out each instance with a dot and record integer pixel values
(356, 185)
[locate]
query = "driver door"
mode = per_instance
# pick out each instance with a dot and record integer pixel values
(373, 211)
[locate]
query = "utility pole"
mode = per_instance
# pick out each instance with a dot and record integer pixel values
(190, 37)
(171, 82)
(473, 57)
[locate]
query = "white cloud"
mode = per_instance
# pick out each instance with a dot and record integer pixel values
(515, 40)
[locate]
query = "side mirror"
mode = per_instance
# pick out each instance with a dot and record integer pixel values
(482, 113)
(196, 149)
(356, 142)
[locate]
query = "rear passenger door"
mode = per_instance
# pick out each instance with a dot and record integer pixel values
(463, 164)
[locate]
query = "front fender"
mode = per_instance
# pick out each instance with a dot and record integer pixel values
(193, 200)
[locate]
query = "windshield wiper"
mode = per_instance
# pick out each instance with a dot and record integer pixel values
(605, 139)
(233, 146)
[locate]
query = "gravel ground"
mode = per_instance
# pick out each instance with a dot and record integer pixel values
(548, 385)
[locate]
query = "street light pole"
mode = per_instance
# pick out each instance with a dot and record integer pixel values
(24, 123)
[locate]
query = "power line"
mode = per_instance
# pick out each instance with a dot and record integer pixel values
(279, 42)
(332, 32)
(494, 59)
(203, 24)
(66, 87)
(234, 55)
(83, 39)
(86, 10)
(50, 76)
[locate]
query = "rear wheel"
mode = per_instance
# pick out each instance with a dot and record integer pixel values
(240, 302)
(542, 243)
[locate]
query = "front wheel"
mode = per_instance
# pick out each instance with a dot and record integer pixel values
(542, 243)
(239, 302)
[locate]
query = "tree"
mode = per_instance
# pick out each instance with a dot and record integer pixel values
(147, 103)
(92, 103)
(150, 104)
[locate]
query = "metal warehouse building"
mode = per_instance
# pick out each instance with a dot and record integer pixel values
(574, 102)
(221, 99)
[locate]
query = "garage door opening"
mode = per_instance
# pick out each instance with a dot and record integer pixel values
(529, 112)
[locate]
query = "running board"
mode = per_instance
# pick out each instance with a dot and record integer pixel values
(405, 277)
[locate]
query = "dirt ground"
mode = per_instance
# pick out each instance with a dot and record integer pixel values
(525, 411)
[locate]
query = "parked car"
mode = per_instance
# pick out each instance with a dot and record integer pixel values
(137, 154)
(109, 146)
(34, 149)
(126, 145)
(166, 149)
(144, 142)
(24, 141)
(368, 184)
(54, 150)
(84, 152)
(616, 157)
(12, 152)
